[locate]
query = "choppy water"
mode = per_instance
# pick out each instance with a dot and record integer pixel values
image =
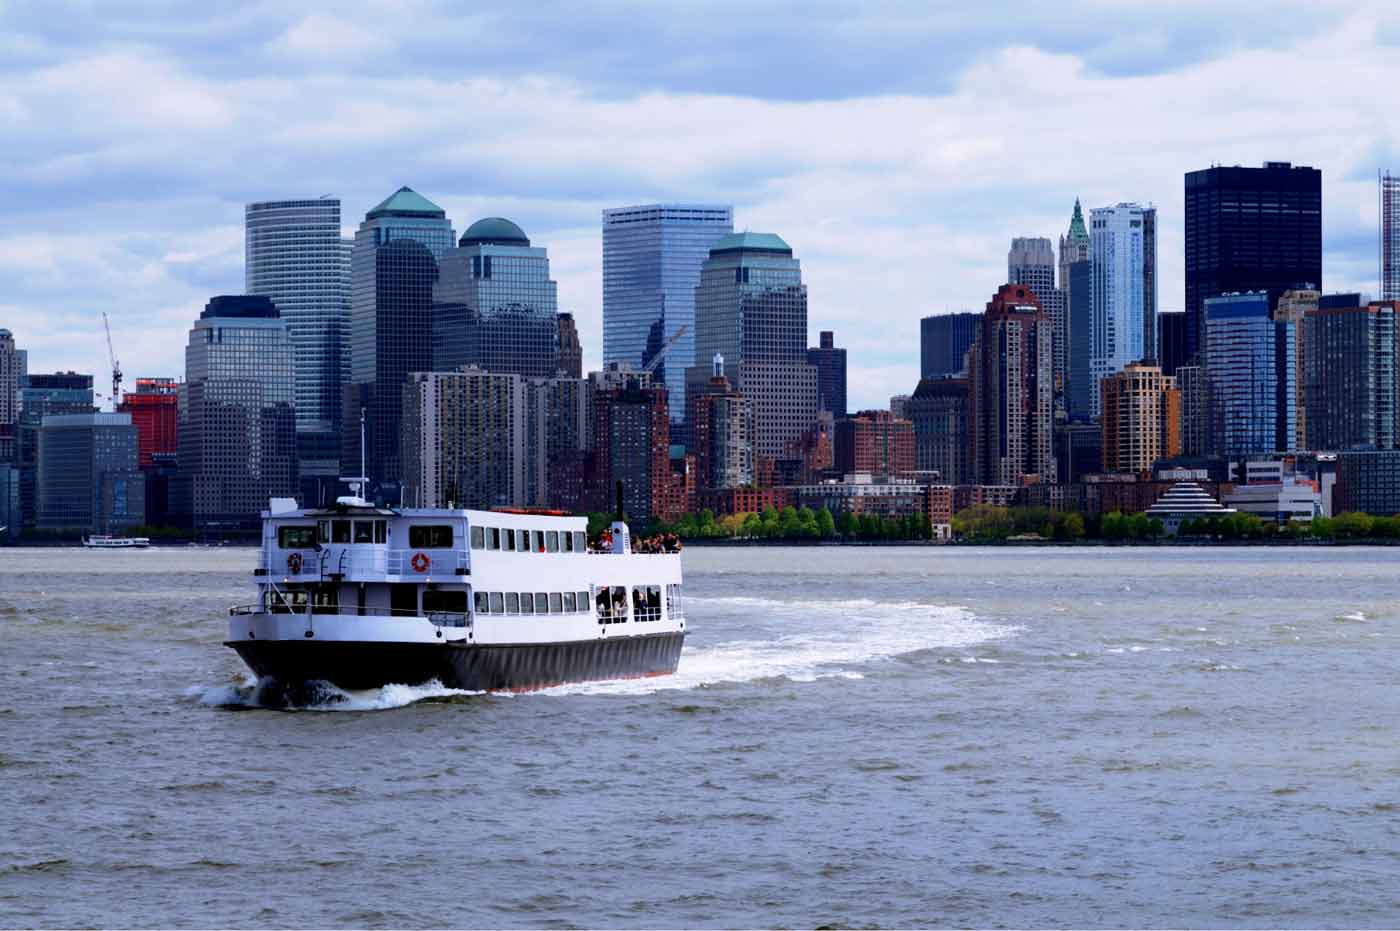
(1150, 737)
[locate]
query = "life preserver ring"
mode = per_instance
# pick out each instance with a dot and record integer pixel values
(420, 562)
(294, 563)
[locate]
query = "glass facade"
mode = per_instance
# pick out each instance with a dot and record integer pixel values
(41, 395)
(1123, 249)
(652, 256)
(1250, 368)
(1350, 374)
(237, 425)
(1249, 229)
(944, 340)
(751, 310)
(88, 475)
(830, 362)
(495, 305)
(295, 256)
(394, 267)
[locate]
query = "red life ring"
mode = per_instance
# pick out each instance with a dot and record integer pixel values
(421, 562)
(294, 564)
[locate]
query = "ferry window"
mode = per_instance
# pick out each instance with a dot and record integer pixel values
(539, 541)
(364, 531)
(619, 602)
(604, 602)
(522, 540)
(583, 601)
(541, 603)
(566, 541)
(551, 541)
(325, 601)
(301, 537)
(483, 604)
(279, 602)
(673, 601)
(340, 531)
(381, 531)
(436, 600)
(434, 537)
(580, 544)
(568, 602)
(493, 538)
(512, 602)
(556, 603)
(478, 538)
(498, 603)
(403, 600)
(323, 531)
(527, 603)
(508, 540)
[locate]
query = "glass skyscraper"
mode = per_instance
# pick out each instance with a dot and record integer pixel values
(494, 304)
(1250, 367)
(394, 267)
(651, 265)
(751, 312)
(88, 477)
(1123, 249)
(237, 429)
(944, 340)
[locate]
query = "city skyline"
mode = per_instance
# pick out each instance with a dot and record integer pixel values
(909, 212)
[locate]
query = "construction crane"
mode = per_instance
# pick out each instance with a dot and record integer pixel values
(116, 366)
(656, 359)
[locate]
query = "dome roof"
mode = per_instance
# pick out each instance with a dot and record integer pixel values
(494, 231)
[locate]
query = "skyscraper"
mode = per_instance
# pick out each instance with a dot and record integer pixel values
(1012, 404)
(1171, 340)
(42, 395)
(394, 266)
(631, 446)
(1293, 307)
(237, 427)
(1141, 419)
(570, 349)
(721, 421)
(1390, 236)
(1250, 367)
(88, 478)
(1074, 247)
(751, 308)
(293, 254)
(1031, 262)
(1250, 229)
(10, 371)
(874, 441)
(155, 410)
(831, 374)
(1124, 248)
(944, 340)
(1352, 395)
(939, 412)
(464, 439)
(1080, 292)
(494, 304)
(651, 266)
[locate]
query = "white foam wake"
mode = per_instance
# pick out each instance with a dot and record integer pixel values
(317, 696)
(837, 639)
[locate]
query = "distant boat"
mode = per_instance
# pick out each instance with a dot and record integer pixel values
(106, 542)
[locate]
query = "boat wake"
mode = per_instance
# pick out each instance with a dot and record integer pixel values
(318, 696)
(869, 632)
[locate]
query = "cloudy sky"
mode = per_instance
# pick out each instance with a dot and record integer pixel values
(897, 147)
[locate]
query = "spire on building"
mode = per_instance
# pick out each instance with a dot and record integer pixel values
(1077, 233)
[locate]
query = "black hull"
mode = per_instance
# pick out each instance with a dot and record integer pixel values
(474, 667)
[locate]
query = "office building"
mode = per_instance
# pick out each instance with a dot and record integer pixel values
(1075, 246)
(394, 266)
(11, 518)
(155, 411)
(652, 255)
(1352, 394)
(88, 479)
(1171, 340)
(1141, 421)
(1195, 410)
(1031, 262)
(938, 412)
(1123, 317)
(1012, 409)
(40, 396)
(464, 439)
(293, 255)
(1250, 229)
(944, 340)
(1369, 482)
(570, 349)
(237, 424)
(494, 304)
(1293, 307)
(558, 431)
(1389, 186)
(874, 441)
(751, 309)
(1078, 450)
(631, 446)
(11, 369)
(830, 363)
(1080, 294)
(1250, 366)
(722, 437)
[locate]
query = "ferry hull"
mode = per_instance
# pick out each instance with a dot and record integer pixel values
(473, 667)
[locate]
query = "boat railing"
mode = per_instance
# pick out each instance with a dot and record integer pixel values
(439, 618)
(368, 561)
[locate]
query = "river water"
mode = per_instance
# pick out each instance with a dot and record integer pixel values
(883, 736)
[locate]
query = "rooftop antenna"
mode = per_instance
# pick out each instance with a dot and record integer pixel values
(359, 482)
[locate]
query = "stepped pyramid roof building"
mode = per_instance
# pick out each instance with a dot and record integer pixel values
(1186, 501)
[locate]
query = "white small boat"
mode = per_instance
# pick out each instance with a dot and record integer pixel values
(101, 541)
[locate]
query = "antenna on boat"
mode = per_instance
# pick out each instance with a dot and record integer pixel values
(358, 483)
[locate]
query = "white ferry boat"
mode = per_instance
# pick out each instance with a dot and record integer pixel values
(104, 542)
(362, 597)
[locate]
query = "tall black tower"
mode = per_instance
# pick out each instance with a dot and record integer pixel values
(1250, 229)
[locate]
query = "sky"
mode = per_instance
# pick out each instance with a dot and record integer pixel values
(898, 147)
